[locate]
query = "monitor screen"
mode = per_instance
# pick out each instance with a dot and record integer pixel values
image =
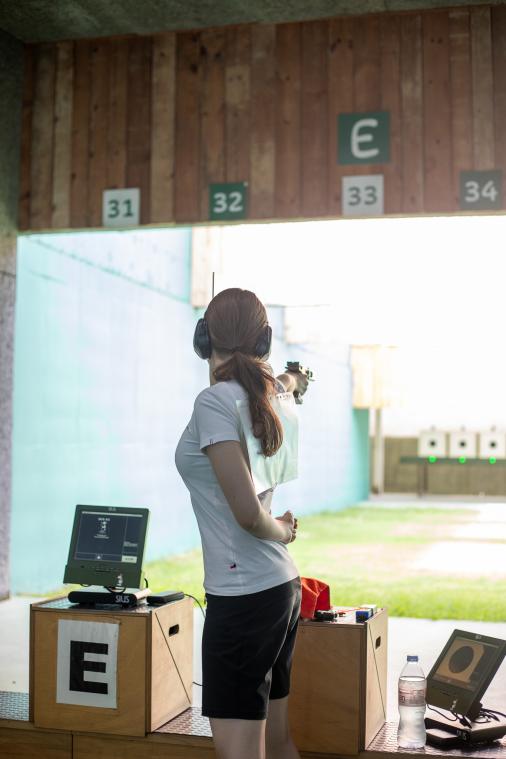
(107, 546)
(108, 537)
(463, 671)
(466, 663)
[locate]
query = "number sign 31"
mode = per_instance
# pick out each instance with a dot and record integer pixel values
(480, 190)
(228, 201)
(120, 208)
(362, 195)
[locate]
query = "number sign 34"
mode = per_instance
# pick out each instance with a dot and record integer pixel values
(228, 201)
(480, 190)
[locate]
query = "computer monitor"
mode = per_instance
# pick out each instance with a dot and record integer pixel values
(463, 672)
(107, 546)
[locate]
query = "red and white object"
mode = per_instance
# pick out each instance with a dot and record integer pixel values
(463, 444)
(432, 443)
(492, 445)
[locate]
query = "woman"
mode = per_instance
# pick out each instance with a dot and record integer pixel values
(252, 585)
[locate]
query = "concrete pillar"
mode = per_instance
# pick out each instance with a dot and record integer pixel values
(11, 68)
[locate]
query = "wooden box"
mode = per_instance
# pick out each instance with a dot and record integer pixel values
(339, 685)
(147, 669)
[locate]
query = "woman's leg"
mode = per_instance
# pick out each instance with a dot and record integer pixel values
(278, 741)
(238, 738)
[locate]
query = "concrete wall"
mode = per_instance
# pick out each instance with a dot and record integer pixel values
(442, 479)
(11, 62)
(105, 380)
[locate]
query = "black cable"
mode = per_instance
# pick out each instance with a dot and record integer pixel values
(455, 718)
(492, 711)
(463, 719)
(189, 595)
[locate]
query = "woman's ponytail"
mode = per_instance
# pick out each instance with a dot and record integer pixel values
(255, 377)
(237, 320)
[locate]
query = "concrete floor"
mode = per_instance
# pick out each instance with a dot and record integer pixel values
(406, 636)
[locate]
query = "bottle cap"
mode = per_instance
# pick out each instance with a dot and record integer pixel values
(412, 658)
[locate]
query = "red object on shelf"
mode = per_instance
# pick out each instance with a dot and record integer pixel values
(315, 597)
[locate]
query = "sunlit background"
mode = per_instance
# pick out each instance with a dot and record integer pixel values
(434, 287)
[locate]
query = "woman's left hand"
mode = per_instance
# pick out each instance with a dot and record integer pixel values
(292, 521)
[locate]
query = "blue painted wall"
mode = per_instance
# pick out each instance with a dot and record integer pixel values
(105, 379)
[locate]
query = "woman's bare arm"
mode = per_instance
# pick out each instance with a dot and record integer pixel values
(231, 470)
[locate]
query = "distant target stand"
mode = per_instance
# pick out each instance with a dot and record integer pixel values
(458, 447)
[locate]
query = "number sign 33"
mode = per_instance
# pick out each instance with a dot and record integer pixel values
(362, 195)
(228, 201)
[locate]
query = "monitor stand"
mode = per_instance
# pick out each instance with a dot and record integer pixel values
(95, 595)
(487, 728)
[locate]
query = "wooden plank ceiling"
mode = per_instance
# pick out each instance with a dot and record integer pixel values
(174, 112)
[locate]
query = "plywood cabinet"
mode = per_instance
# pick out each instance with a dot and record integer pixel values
(339, 685)
(153, 668)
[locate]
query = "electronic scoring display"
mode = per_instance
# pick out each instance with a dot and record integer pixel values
(108, 537)
(463, 672)
(107, 546)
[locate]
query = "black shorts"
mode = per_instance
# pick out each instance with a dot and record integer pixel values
(247, 650)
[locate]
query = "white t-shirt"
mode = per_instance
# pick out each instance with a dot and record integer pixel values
(235, 562)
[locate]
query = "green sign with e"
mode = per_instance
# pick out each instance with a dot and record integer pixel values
(363, 137)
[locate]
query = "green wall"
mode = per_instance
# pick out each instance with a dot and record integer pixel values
(101, 395)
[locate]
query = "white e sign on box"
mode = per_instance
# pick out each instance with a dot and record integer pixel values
(86, 668)
(121, 208)
(362, 195)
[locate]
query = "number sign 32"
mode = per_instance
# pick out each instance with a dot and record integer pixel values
(362, 195)
(227, 201)
(480, 190)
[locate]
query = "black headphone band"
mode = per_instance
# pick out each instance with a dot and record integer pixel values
(203, 346)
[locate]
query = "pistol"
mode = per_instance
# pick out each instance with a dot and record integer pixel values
(296, 367)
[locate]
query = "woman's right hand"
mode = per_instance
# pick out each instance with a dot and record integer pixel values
(290, 525)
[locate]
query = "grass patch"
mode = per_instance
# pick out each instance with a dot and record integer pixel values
(365, 555)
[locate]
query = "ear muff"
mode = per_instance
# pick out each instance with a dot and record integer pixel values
(203, 347)
(202, 340)
(263, 344)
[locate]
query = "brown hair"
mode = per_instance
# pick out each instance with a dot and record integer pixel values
(236, 320)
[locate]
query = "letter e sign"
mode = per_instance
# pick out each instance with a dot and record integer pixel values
(363, 137)
(87, 663)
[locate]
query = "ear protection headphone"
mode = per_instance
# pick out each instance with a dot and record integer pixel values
(203, 347)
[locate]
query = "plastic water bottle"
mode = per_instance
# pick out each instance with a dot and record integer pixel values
(412, 685)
